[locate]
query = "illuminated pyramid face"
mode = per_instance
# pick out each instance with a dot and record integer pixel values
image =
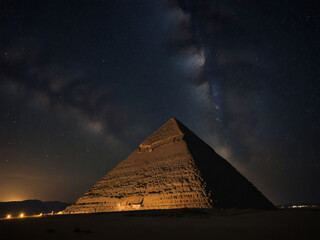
(172, 168)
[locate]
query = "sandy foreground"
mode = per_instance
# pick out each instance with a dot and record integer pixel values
(174, 224)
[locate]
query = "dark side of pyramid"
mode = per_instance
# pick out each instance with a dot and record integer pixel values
(173, 168)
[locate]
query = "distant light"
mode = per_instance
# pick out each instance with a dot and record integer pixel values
(8, 216)
(21, 215)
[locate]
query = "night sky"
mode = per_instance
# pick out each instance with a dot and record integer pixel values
(82, 83)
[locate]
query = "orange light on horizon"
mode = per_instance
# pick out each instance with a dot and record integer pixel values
(21, 215)
(8, 216)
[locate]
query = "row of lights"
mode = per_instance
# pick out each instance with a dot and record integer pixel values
(21, 215)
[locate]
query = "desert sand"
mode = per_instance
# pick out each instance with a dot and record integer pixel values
(169, 224)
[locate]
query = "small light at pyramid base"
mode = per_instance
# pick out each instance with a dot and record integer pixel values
(8, 216)
(21, 215)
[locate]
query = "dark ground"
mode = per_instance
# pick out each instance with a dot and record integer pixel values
(172, 224)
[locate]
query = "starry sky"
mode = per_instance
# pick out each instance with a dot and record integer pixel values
(82, 83)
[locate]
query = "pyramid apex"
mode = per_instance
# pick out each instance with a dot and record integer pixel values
(166, 132)
(173, 119)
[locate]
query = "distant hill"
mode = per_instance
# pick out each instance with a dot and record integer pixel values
(30, 207)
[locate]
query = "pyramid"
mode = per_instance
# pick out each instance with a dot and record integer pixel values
(173, 168)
